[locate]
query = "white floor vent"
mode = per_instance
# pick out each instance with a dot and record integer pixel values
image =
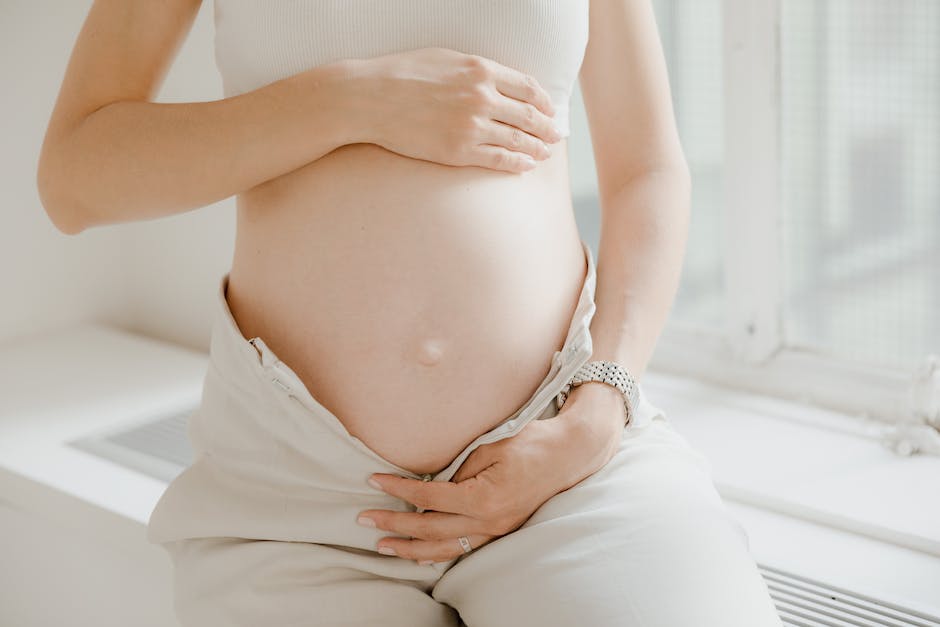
(160, 448)
(805, 602)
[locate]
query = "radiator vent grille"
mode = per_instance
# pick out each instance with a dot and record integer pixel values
(160, 448)
(805, 602)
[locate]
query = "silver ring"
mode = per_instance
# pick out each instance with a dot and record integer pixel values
(465, 544)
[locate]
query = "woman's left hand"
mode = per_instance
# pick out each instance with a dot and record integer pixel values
(501, 484)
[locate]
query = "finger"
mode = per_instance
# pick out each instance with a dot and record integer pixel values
(434, 550)
(475, 463)
(525, 117)
(498, 158)
(521, 86)
(516, 140)
(440, 496)
(426, 525)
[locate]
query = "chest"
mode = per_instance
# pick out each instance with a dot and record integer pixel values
(260, 41)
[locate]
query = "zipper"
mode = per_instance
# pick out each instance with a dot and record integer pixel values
(565, 371)
(274, 366)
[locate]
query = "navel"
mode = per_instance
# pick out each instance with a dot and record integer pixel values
(430, 352)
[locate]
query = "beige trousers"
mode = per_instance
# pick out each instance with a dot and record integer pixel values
(262, 526)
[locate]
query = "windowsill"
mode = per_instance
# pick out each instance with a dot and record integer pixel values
(815, 499)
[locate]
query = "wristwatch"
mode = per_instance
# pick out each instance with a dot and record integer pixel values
(608, 372)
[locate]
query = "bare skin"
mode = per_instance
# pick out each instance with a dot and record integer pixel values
(420, 303)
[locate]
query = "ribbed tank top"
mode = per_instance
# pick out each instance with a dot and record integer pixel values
(261, 41)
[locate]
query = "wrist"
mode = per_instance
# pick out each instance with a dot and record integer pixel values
(594, 418)
(356, 88)
(339, 94)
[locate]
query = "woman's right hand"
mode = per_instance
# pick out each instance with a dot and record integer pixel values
(453, 108)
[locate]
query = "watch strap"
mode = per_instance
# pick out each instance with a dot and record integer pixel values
(608, 372)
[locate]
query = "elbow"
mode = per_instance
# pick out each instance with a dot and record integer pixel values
(62, 213)
(64, 218)
(678, 169)
(60, 207)
(684, 177)
(684, 173)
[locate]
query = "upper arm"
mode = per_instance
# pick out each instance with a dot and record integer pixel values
(625, 89)
(123, 52)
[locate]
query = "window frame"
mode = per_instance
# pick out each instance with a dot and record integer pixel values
(751, 351)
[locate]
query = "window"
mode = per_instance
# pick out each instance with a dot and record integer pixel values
(812, 130)
(861, 178)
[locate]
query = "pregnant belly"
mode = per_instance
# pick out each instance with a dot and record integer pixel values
(420, 303)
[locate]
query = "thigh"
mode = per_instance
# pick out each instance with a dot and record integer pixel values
(234, 582)
(645, 541)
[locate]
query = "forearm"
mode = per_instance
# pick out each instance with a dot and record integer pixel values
(644, 230)
(137, 160)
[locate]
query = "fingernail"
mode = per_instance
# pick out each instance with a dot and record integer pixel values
(375, 484)
(425, 562)
(387, 550)
(529, 161)
(365, 521)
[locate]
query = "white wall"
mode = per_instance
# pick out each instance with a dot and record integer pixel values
(48, 279)
(156, 277)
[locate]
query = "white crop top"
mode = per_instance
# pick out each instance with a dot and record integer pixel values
(261, 41)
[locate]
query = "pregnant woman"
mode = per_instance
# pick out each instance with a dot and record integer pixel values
(423, 403)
